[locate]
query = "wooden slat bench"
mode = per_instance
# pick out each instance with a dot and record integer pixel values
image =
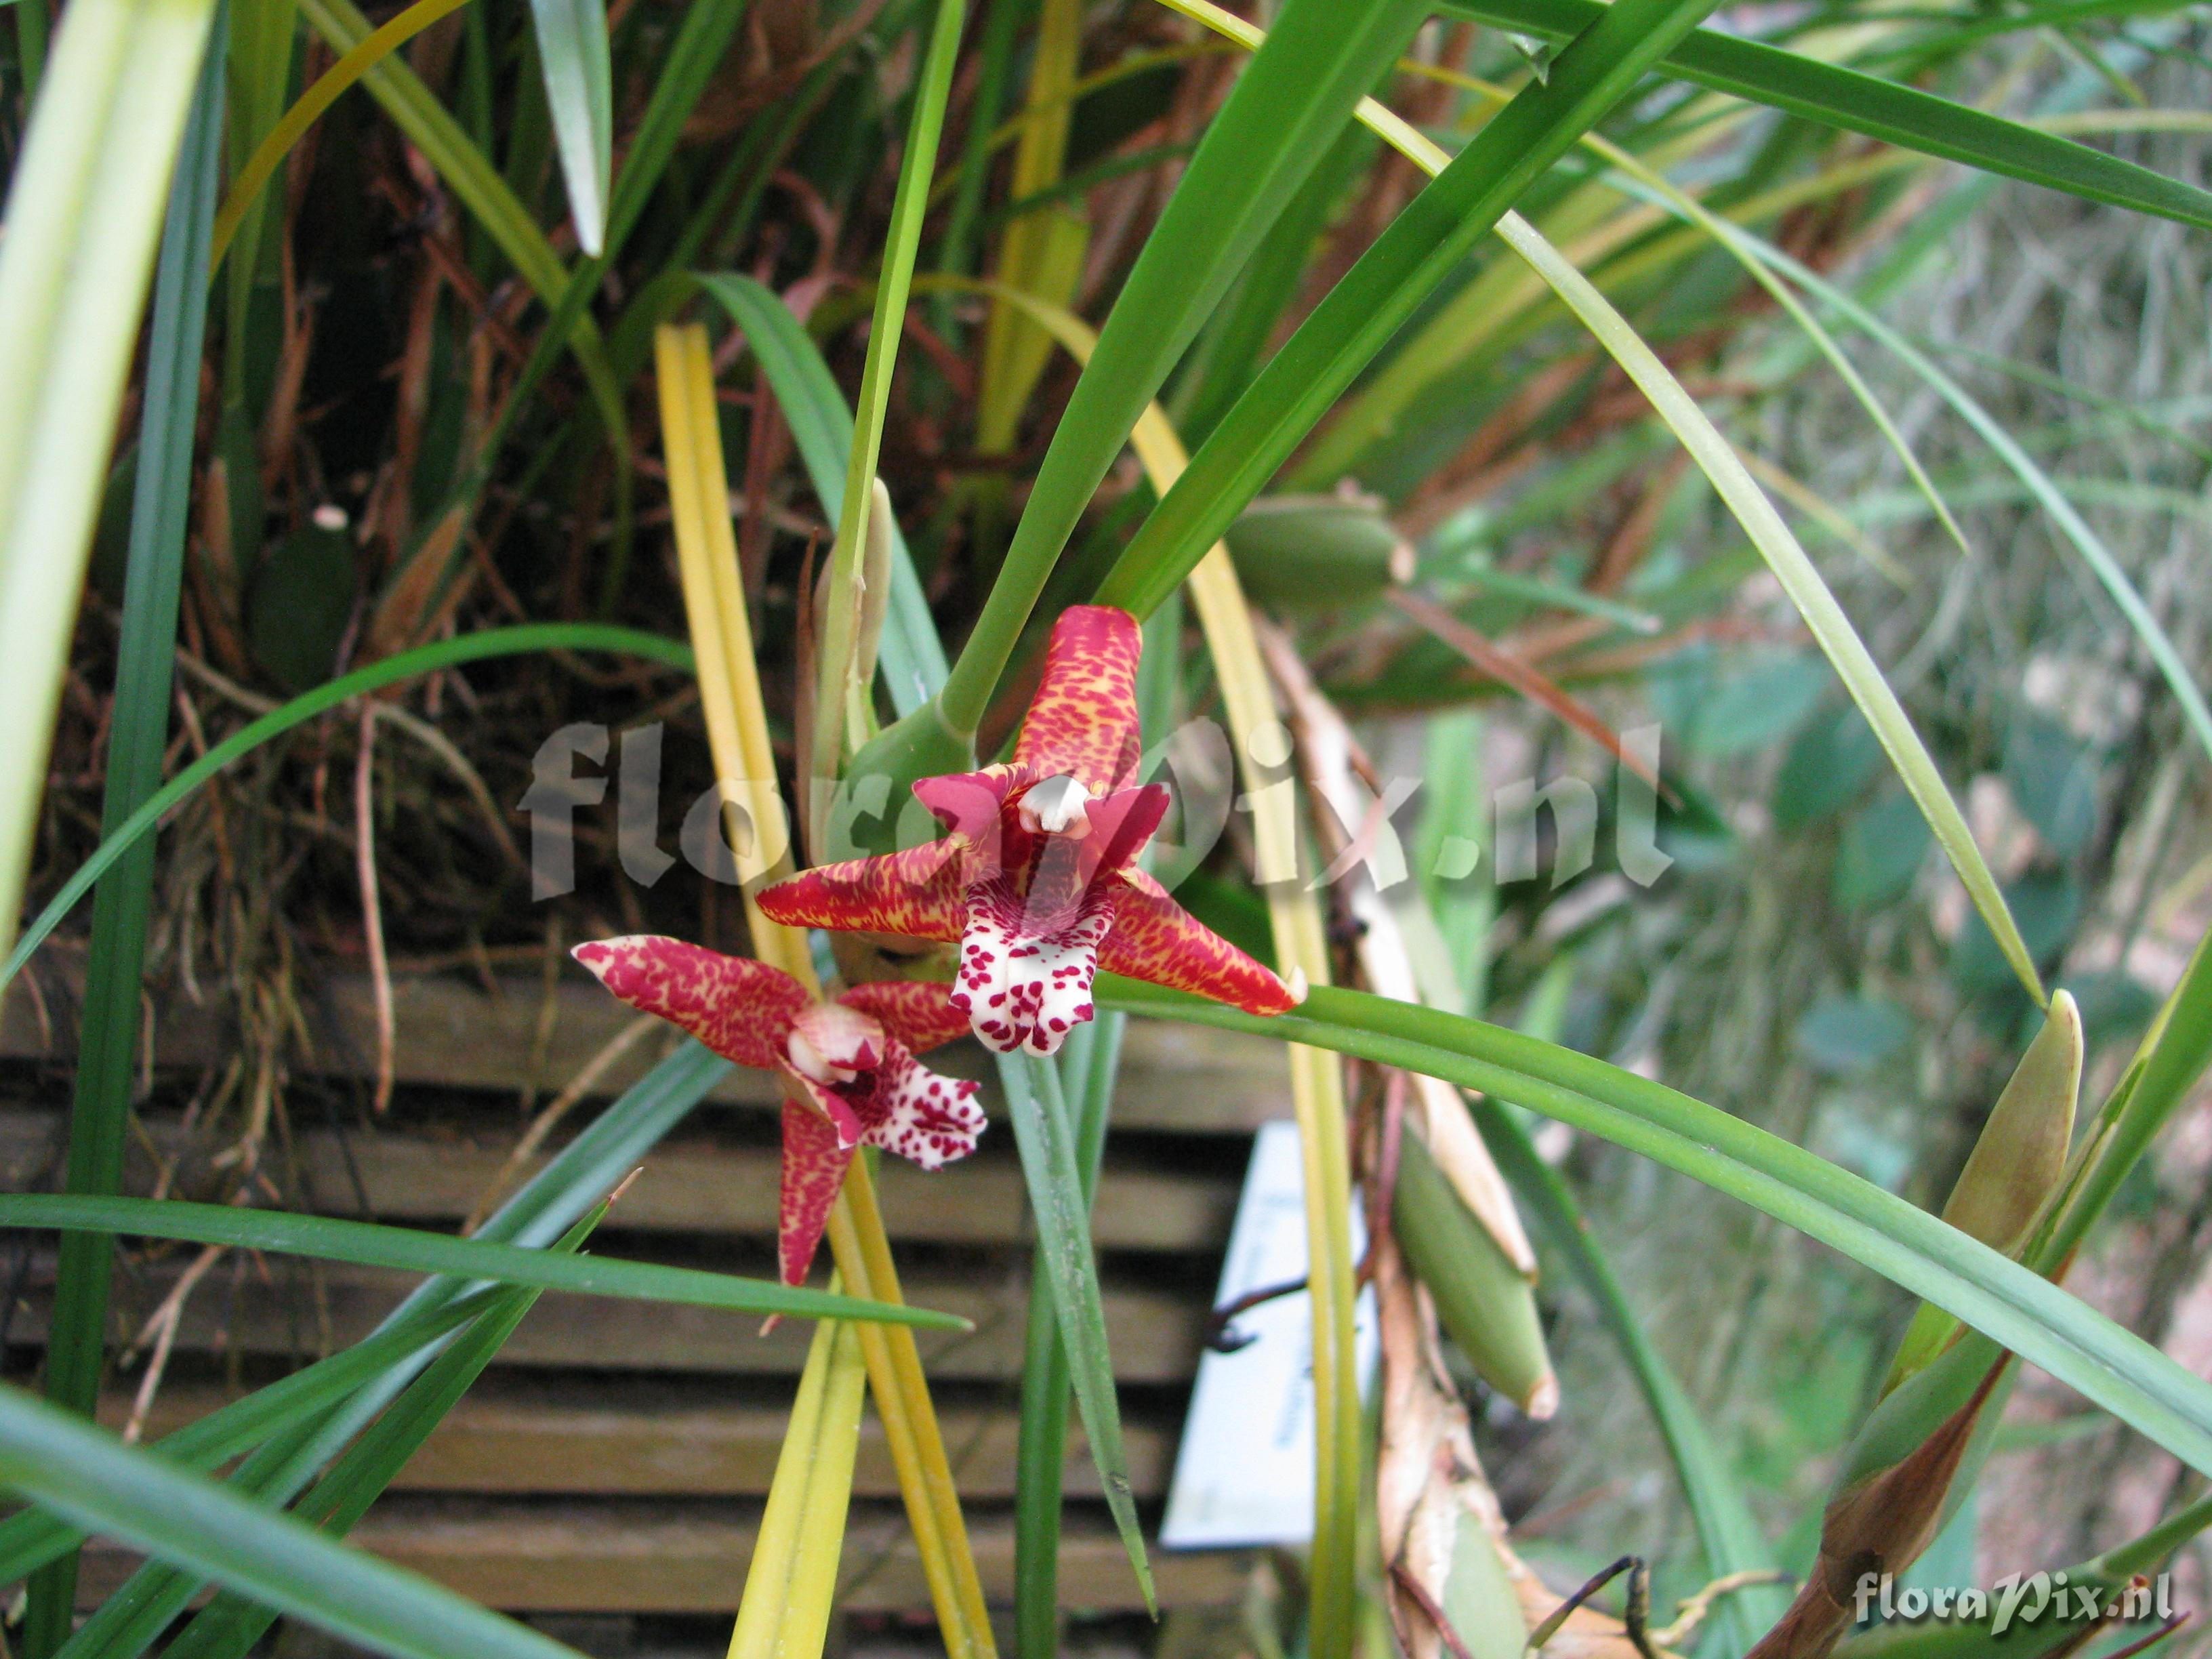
(614, 1460)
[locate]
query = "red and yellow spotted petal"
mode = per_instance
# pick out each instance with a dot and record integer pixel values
(1155, 939)
(814, 1165)
(1083, 722)
(917, 1012)
(741, 1009)
(914, 894)
(921, 1115)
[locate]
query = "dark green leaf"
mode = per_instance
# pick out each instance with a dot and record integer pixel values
(59, 1461)
(2053, 779)
(1759, 703)
(298, 606)
(1423, 245)
(1880, 109)
(330, 1239)
(107, 1045)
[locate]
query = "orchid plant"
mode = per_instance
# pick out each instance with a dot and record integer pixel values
(1314, 326)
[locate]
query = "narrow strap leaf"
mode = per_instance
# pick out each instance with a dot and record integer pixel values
(1881, 109)
(330, 1239)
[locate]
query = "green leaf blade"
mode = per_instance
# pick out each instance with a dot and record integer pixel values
(1877, 108)
(411, 1250)
(101, 1485)
(1357, 318)
(2019, 1308)
(573, 53)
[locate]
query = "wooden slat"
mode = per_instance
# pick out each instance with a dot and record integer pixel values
(693, 1185)
(454, 1034)
(1155, 1336)
(647, 1557)
(533, 1437)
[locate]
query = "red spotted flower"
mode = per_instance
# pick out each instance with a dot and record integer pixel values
(847, 1067)
(1036, 879)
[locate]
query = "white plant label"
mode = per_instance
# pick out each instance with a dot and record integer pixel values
(1244, 1474)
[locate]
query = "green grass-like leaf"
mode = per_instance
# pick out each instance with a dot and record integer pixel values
(1801, 579)
(64, 1464)
(107, 1041)
(1423, 245)
(1057, 1197)
(30, 1539)
(2039, 483)
(2019, 1308)
(410, 1249)
(547, 1208)
(1881, 109)
(1088, 1066)
(1290, 102)
(229, 1626)
(573, 52)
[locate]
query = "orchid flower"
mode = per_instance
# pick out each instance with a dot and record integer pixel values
(1036, 879)
(847, 1067)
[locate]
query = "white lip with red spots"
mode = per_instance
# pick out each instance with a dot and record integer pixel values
(925, 1116)
(1022, 983)
(869, 1088)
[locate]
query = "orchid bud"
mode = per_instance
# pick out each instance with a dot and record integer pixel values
(1483, 1300)
(2017, 1163)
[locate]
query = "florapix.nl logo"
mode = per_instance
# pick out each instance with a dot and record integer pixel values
(2017, 1602)
(737, 830)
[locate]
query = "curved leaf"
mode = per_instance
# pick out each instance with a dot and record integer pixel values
(1151, 561)
(32, 1539)
(1423, 244)
(66, 1465)
(331, 1239)
(1877, 108)
(1293, 97)
(2017, 1308)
